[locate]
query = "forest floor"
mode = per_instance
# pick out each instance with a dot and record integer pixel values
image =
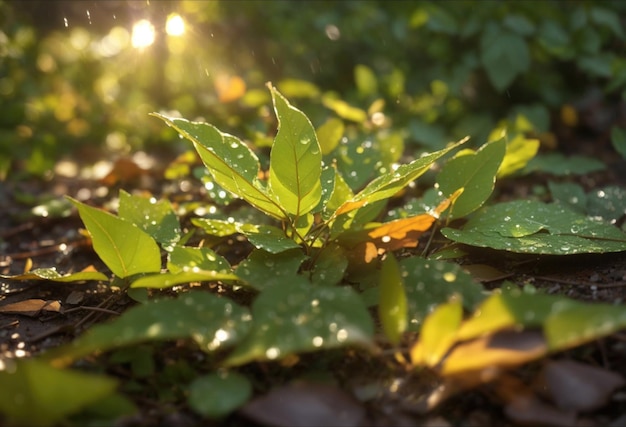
(375, 390)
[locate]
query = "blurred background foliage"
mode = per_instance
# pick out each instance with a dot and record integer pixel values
(79, 78)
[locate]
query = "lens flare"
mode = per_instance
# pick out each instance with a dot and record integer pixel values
(175, 25)
(143, 34)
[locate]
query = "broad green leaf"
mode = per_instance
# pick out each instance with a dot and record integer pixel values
(297, 317)
(357, 160)
(519, 151)
(263, 269)
(157, 218)
(429, 283)
(573, 323)
(330, 265)
(167, 280)
(218, 394)
(213, 322)
(215, 227)
(33, 393)
(559, 165)
(183, 258)
(329, 134)
(121, 245)
(295, 159)
(386, 186)
(504, 55)
(53, 275)
(267, 237)
(608, 18)
(618, 139)
(392, 308)
(233, 165)
(528, 226)
(570, 195)
(475, 173)
(438, 334)
(609, 203)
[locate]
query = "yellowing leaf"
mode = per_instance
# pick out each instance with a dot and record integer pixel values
(506, 348)
(229, 88)
(519, 151)
(438, 334)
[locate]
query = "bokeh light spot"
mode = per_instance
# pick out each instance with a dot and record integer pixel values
(143, 34)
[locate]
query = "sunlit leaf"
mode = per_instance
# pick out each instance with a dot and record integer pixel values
(344, 110)
(519, 151)
(475, 173)
(157, 218)
(53, 275)
(388, 185)
(183, 258)
(502, 349)
(216, 395)
(297, 317)
(392, 308)
(215, 227)
(329, 134)
(295, 88)
(263, 269)
(167, 280)
(213, 322)
(122, 246)
(527, 226)
(438, 334)
(295, 159)
(267, 237)
(36, 394)
(365, 79)
(233, 165)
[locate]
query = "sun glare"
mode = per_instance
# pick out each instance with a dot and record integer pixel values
(175, 25)
(143, 34)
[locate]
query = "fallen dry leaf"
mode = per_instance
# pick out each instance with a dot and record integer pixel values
(31, 307)
(302, 404)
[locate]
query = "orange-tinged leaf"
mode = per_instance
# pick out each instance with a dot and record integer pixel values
(229, 88)
(502, 349)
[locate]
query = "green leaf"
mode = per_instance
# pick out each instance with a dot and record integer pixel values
(216, 395)
(559, 165)
(53, 275)
(618, 139)
(329, 134)
(387, 185)
(122, 246)
(528, 226)
(504, 55)
(429, 283)
(365, 79)
(215, 227)
(609, 19)
(269, 238)
(233, 165)
(330, 266)
(392, 308)
(167, 280)
(35, 394)
(339, 194)
(570, 195)
(295, 160)
(263, 269)
(213, 322)
(297, 317)
(157, 218)
(608, 203)
(475, 173)
(183, 258)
